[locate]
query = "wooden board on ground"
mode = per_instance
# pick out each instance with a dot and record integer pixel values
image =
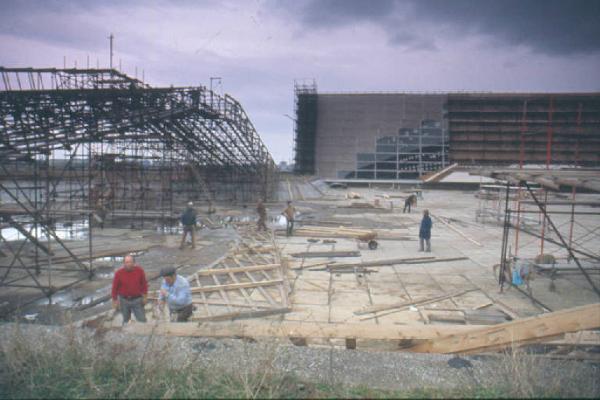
(258, 329)
(515, 332)
(309, 254)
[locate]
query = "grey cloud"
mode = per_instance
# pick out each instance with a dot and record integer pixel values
(54, 22)
(338, 12)
(557, 27)
(412, 41)
(547, 26)
(58, 21)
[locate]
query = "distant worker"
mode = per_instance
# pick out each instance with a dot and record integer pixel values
(410, 201)
(289, 216)
(262, 216)
(188, 220)
(176, 293)
(211, 209)
(425, 231)
(130, 290)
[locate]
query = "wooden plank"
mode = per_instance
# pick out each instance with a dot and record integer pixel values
(435, 177)
(257, 329)
(226, 271)
(261, 289)
(305, 266)
(234, 278)
(512, 333)
(221, 303)
(236, 286)
(222, 293)
(308, 254)
(396, 261)
(244, 314)
(406, 304)
(204, 298)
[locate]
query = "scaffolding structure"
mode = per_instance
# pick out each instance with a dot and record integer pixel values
(305, 126)
(566, 226)
(89, 147)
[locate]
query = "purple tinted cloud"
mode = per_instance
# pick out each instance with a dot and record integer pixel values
(260, 47)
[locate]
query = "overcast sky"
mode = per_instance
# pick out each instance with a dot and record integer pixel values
(259, 47)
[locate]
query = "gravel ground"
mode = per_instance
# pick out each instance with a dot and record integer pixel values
(382, 370)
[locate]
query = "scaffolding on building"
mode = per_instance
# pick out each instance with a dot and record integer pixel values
(85, 148)
(305, 126)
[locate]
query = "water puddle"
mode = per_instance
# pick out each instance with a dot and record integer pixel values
(64, 231)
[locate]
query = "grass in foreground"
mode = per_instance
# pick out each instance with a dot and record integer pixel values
(34, 367)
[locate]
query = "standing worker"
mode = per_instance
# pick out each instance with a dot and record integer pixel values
(188, 220)
(262, 216)
(289, 215)
(130, 290)
(425, 231)
(176, 293)
(410, 201)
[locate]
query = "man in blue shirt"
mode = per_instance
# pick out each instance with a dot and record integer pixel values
(425, 231)
(176, 293)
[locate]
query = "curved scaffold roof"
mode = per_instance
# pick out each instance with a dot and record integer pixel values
(42, 110)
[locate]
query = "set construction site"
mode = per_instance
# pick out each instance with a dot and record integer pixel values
(96, 165)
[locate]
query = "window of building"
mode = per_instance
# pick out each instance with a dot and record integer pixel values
(412, 152)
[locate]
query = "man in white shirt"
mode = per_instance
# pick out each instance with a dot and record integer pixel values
(176, 293)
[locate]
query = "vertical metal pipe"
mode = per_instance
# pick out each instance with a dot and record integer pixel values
(518, 224)
(505, 233)
(543, 233)
(90, 209)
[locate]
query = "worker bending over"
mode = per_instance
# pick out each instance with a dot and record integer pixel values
(410, 201)
(176, 293)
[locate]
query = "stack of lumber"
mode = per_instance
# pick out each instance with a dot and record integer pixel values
(331, 223)
(312, 254)
(360, 205)
(349, 233)
(338, 232)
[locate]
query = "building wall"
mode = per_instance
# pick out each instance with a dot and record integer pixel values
(348, 124)
(487, 128)
(480, 128)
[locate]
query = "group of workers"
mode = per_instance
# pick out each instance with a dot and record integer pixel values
(410, 201)
(130, 287)
(130, 292)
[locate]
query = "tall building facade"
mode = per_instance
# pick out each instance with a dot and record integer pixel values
(395, 136)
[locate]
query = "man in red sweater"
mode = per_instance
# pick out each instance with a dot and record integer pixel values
(130, 290)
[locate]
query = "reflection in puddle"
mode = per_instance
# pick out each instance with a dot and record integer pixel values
(64, 231)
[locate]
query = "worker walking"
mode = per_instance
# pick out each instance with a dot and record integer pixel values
(176, 293)
(188, 220)
(410, 201)
(425, 231)
(289, 216)
(130, 290)
(262, 216)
